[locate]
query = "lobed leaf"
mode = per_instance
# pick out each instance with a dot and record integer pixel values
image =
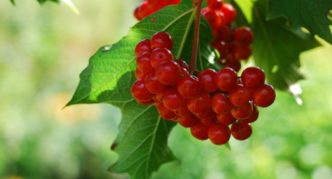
(313, 15)
(277, 49)
(142, 140)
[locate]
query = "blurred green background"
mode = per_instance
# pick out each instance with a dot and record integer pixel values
(44, 48)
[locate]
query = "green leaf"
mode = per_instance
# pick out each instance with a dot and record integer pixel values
(311, 14)
(43, 1)
(142, 142)
(110, 63)
(12, 1)
(277, 49)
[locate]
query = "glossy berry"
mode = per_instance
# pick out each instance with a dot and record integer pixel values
(207, 118)
(241, 51)
(182, 63)
(140, 93)
(220, 103)
(242, 112)
(264, 96)
(207, 80)
(143, 64)
(219, 134)
(188, 121)
(226, 118)
(222, 47)
(229, 13)
(199, 104)
(241, 130)
(172, 100)
(222, 33)
(253, 117)
(142, 47)
(226, 79)
(214, 4)
(253, 77)
(239, 95)
(139, 74)
(161, 40)
(214, 18)
(233, 64)
(153, 85)
(160, 55)
(200, 131)
(183, 111)
(168, 72)
(164, 112)
(243, 35)
(189, 87)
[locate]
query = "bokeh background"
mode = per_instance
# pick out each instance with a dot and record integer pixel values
(44, 48)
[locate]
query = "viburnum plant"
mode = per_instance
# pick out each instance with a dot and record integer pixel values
(234, 49)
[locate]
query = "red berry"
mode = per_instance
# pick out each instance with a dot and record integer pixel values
(229, 13)
(172, 100)
(207, 118)
(214, 4)
(253, 77)
(222, 48)
(158, 98)
(264, 96)
(144, 10)
(223, 33)
(139, 74)
(219, 134)
(226, 118)
(139, 92)
(182, 63)
(207, 80)
(226, 79)
(183, 111)
(233, 64)
(241, 51)
(159, 55)
(242, 112)
(214, 18)
(164, 112)
(220, 103)
(189, 87)
(199, 131)
(241, 130)
(153, 85)
(253, 117)
(161, 40)
(143, 64)
(168, 72)
(142, 47)
(200, 104)
(239, 95)
(188, 121)
(243, 35)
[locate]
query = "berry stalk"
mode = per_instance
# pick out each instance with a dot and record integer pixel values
(194, 53)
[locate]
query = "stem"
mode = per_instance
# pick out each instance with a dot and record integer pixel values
(194, 53)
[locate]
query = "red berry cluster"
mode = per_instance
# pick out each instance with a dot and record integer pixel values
(233, 45)
(149, 7)
(214, 105)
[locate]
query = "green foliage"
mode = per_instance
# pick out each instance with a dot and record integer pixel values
(142, 140)
(43, 1)
(277, 49)
(40, 1)
(313, 15)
